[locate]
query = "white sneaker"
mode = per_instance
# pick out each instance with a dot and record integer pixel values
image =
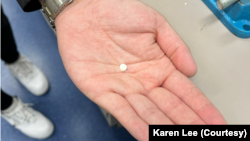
(29, 75)
(29, 121)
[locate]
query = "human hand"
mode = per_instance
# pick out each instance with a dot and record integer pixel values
(96, 36)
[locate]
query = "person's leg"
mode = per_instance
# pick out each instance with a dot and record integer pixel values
(6, 101)
(13, 110)
(9, 53)
(24, 118)
(19, 65)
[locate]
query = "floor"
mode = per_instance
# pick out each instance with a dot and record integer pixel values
(222, 60)
(75, 117)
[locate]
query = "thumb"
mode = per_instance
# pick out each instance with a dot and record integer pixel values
(175, 48)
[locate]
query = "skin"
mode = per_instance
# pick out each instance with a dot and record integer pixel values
(96, 36)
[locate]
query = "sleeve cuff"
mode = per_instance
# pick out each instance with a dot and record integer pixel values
(29, 5)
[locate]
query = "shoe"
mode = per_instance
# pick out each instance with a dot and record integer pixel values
(29, 75)
(29, 121)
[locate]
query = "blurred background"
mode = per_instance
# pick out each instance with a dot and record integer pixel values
(222, 60)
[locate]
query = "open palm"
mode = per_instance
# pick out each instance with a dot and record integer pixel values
(96, 36)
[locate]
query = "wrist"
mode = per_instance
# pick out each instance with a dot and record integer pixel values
(41, 1)
(73, 3)
(69, 11)
(53, 9)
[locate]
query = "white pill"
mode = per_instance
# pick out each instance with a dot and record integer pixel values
(123, 67)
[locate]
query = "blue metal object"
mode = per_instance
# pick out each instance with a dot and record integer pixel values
(236, 17)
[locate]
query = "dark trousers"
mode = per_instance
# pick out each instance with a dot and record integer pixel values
(6, 100)
(9, 54)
